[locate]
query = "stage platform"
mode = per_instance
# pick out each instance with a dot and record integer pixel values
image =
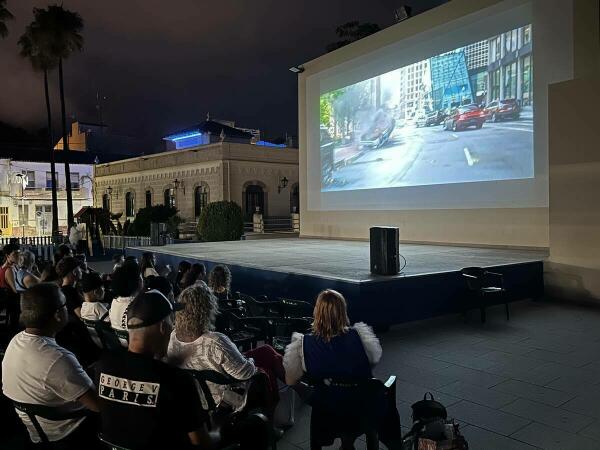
(429, 285)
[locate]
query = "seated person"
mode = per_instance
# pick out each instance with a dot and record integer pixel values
(92, 308)
(25, 276)
(62, 251)
(161, 284)
(49, 274)
(118, 260)
(336, 350)
(8, 268)
(69, 271)
(145, 403)
(219, 280)
(148, 265)
(36, 370)
(196, 273)
(126, 282)
(194, 345)
(182, 268)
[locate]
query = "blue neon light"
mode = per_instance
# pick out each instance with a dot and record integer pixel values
(179, 137)
(270, 144)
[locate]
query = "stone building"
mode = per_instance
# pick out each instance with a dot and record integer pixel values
(254, 176)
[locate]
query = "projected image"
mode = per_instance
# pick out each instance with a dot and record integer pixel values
(462, 116)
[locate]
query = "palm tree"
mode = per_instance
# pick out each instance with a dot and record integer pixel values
(33, 47)
(4, 16)
(62, 29)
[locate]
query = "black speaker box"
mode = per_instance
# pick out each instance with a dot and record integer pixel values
(385, 252)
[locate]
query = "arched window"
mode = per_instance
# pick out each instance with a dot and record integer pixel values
(295, 199)
(106, 202)
(255, 200)
(148, 198)
(200, 199)
(169, 197)
(129, 205)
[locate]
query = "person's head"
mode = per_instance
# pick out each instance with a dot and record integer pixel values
(62, 251)
(199, 311)
(196, 273)
(49, 274)
(219, 279)
(11, 252)
(150, 321)
(43, 307)
(92, 287)
(160, 284)
(330, 315)
(132, 259)
(183, 267)
(126, 281)
(69, 270)
(118, 260)
(26, 260)
(148, 261)
(82, 261)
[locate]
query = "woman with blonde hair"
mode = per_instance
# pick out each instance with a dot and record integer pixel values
(195, 345)
(334, 349)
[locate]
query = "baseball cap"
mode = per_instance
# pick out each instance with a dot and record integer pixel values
(91, 281)
(150, 307)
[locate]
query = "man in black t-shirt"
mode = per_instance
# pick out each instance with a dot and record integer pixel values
(145, 403)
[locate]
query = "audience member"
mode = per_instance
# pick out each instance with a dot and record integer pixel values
(219, 280)
(7, 270)
(25, 277)
(118, 260)
(194, 345)
(196, 273)
(126, 282)
(334, 349)
(144, 402)
(161, 284)
(148, 265)
(82, 258)
(92, 308)
(62, 251)
(69, 271)
(49, 274)
(36, 370)
(182, 269)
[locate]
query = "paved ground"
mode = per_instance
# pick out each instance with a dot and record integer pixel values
(431, 155)
(533, 382)
(342, 259)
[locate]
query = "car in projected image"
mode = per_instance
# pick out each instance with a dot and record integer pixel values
(464, 117)
(508, 108)
(435, 118)
(378, 130)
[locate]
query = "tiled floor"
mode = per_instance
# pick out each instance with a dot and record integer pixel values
(533, 382)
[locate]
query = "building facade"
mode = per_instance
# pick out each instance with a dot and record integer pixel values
(26, 196)
(255, 177)
(510, 66)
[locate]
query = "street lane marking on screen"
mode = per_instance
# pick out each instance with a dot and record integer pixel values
(468, 156)
(528, 130)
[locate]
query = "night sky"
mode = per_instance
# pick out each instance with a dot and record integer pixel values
(164, 65)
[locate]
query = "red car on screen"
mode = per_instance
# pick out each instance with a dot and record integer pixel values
(508, 108)
(464, 117)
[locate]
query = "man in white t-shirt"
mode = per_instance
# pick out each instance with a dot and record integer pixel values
(125, 284)
(37, 371)
(92, 287)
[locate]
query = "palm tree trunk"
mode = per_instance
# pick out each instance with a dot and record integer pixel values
(70, 220)
(52, 159)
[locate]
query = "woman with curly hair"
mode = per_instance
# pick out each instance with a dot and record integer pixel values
(219, 280)
(195, 345)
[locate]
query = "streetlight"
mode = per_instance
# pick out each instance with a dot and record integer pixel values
(23, 181)
(283, 182)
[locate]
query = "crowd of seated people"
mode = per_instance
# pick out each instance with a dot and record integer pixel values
(95, 394)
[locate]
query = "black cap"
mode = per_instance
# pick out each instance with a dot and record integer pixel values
(149, 308)
(91, 281)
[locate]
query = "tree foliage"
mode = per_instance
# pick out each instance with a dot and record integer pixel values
(221, 221)
(351, 32)
(158, 214)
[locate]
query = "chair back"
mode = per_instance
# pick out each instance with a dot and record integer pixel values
(47, 412)
(474, 277)
(109, 444)
(212, 376)
(279, 331)
(122, 336)
(295, 308)
(259, 307)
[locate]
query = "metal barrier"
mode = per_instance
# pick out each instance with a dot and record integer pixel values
(32, 240)
(120, 242)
